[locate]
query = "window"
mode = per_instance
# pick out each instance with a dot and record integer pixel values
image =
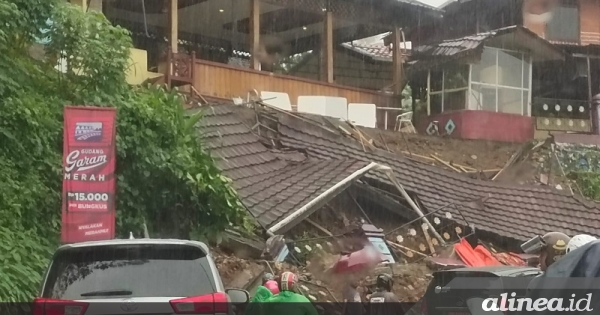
(500, 82)
(564, 25)
(449, 89)
(129, 271)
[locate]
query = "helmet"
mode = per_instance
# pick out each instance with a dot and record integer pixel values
(555, 247)
(578, 241)
(385, 281)
(287, 281)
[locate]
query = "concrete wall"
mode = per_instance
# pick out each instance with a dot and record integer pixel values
(483, 125)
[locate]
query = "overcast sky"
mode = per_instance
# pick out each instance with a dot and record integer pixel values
(434, 3)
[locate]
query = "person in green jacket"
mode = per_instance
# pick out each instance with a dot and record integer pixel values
(254, 307)
(282, 303)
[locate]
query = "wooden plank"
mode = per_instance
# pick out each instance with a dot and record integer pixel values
(215, 80)
(445, 163)
(327, 48)
(428, 239)
(396, 61)
(254, 38)
(318, 226)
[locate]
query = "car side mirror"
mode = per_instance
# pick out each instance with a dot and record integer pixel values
(238, 296)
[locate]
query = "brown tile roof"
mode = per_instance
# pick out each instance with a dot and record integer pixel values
(376, 52)
(270, 184)
(517, 212)
(435, 54)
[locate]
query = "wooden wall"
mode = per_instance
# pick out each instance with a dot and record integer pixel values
(222, 81)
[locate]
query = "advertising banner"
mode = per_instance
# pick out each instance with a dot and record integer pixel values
(89, 183)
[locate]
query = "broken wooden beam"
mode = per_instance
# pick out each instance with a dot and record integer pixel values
(445, 163)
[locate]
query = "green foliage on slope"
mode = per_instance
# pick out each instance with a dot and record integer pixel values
(165, 178)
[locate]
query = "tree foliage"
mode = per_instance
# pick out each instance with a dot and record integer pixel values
(165, 177)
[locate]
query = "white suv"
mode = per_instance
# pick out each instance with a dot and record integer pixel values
(136, 276)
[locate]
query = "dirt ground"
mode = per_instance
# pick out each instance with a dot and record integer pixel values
(479, 154)
(230, 266)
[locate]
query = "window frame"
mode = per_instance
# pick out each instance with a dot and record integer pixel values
(444, 91)
(526, 59)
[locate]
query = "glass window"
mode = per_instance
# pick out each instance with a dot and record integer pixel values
(525, 102)
(526, 66)
(455, 100)
(483, 97)
(510, 67)
(129, 271)
(485, 70)
(564, 25)
(436, 104)
(456, 77)
(436, 81)
(510, 101)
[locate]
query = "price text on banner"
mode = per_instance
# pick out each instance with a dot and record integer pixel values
(89, 183)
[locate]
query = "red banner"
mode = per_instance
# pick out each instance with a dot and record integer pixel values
(89, 183)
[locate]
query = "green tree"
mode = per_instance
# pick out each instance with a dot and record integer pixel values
(165, 177)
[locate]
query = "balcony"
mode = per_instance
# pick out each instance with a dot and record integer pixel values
(221, 81)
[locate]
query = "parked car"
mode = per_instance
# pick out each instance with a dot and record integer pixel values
(441, 299)
(135, 276)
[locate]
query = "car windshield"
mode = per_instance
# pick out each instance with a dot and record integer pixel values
(129, 271)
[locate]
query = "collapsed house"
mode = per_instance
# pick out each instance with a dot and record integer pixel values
(299, 163)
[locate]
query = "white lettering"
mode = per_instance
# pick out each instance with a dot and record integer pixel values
(587, 307)
(75, 164)
(94, 206)
(85, 177)
(539, 305)
(490, 305)
(90, 226)
(103, 231)
(521, 301)
(555, 304)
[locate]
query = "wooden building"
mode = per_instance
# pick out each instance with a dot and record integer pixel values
(227, 48)
(541, 54)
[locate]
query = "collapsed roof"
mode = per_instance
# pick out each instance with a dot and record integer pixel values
(273, 186)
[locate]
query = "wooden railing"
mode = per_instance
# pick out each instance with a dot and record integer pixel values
(221, 81)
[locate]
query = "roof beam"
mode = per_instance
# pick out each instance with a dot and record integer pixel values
(343, 10)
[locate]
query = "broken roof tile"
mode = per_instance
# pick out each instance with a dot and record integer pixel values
(514, 211)
(270, 184)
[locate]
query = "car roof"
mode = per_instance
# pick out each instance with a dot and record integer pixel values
(139, 241)
(502, 271)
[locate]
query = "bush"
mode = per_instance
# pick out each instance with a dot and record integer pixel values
(165, 178)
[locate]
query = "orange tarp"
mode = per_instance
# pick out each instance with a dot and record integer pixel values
(475, 257)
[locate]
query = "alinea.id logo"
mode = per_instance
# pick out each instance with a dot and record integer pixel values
(512, 304)
(88, 131)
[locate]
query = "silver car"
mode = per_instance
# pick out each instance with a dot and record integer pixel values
(135, 276)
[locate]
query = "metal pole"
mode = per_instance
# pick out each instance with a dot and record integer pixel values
(390, 175)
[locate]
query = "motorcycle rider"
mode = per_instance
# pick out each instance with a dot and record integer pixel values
(270, 283)
(383, 301)
(550, 247)
(281, 303)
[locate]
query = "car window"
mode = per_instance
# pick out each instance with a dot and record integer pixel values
(130, 271)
